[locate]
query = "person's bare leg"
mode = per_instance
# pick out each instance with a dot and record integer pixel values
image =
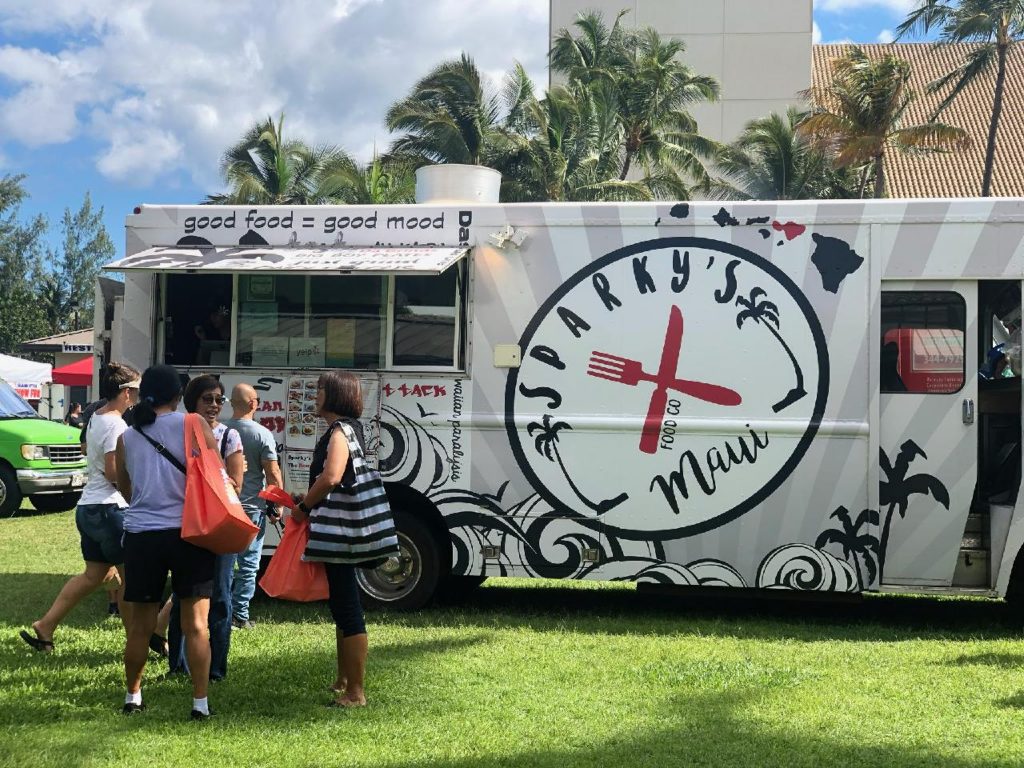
(123, 608)
(163, 620)
(77, 589)
(136, 649)
(339, 684)
(195, 613)
(354, 649)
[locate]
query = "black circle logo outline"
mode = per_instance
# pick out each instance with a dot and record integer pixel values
(821, 397)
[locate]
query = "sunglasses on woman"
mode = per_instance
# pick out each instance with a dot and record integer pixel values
(211, 399)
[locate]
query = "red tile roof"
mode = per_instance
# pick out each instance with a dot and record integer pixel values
(953, 174)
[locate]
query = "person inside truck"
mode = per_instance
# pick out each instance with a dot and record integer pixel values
(214, 334)
(890, 368)
(100, 513)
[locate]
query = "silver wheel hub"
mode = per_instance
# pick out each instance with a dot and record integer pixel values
(397, 576)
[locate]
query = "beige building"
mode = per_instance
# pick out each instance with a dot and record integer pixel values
(759, 50)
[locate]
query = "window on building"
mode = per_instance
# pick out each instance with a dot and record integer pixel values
(922, 344)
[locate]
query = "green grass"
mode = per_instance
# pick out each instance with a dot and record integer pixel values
(528, 673)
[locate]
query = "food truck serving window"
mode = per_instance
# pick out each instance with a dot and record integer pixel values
(922, 344)
(278, 320)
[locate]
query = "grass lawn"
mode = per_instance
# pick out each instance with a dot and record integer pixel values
(527, 673)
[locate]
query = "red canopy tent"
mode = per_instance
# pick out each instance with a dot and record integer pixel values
(76, 374)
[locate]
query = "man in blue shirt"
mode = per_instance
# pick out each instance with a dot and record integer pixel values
(261, 469)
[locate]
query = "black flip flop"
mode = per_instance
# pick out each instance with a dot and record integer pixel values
(41, 645)
(158, 645)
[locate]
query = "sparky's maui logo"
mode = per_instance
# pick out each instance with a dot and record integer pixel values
(667, 388)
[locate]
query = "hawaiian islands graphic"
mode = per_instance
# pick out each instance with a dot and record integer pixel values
(835, 260)
(790, 229)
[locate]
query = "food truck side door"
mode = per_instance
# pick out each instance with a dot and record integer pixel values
(928, 427)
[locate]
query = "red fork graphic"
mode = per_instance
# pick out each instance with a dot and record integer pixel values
(630, 372)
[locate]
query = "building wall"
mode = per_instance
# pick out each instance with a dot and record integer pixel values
(759, 50)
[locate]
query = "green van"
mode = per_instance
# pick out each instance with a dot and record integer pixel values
(38, 458)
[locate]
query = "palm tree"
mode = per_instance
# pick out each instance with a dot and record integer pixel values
(771, 161)
(655, 90)
(550, 150)
(265, 169)
(641, 92)
(861, 547)
(546, 444)
(448, 117)
(860, 114)
(382, 181)
(896, 489)
(996, 25)
(766, 313)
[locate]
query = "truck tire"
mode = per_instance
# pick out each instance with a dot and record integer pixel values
(410, 580)
(54, 502)
(10, 493)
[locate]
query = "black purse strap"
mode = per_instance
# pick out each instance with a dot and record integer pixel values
(163, 451)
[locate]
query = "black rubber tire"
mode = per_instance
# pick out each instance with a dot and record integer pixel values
(10, 494)
(55, 502)
(410, 581)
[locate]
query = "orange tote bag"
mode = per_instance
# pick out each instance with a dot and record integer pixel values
(213, 517)
(288, 576)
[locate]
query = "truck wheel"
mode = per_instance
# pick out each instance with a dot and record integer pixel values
(409, 580)
(10, 493)
(54, 502)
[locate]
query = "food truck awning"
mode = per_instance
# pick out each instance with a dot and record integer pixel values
(307, 260)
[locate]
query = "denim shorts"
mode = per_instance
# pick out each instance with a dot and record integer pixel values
(101, 527)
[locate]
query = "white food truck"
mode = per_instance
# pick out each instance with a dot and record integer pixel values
(764, 395)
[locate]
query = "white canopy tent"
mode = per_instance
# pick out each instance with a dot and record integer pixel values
(29, 379)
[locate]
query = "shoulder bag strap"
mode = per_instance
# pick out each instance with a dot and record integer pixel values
(224, 444)
(163, 451)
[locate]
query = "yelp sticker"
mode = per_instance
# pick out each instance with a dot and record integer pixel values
(667, 388)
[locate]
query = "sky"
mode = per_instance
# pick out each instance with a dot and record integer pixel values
(135, 100)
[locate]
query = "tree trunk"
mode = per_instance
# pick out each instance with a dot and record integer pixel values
(863, 183)
(625, 165)
(993, 127)
(879, 177)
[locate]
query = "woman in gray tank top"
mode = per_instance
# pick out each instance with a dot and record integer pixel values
(151, 476)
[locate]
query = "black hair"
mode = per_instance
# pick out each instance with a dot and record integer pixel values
(342, 393)
(198, 387)
(112, 376)
(160, 386)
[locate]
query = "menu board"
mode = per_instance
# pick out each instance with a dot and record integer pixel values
(296, 469)
(304, 428)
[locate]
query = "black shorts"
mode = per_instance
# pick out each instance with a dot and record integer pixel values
(149, 555)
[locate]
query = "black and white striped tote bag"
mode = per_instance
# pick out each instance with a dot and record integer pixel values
(353, 524)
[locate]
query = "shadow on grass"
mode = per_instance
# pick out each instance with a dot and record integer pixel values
(877, 617)
(711, 730)
(1005, 660)
(543, 607)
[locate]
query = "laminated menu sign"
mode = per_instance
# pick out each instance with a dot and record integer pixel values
(271, 351)
(296, 470)
(304, 428)
(306, 352)
(341, 342)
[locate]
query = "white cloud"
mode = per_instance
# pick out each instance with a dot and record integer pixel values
(164, 87)
(815, 33)
(886, 36)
